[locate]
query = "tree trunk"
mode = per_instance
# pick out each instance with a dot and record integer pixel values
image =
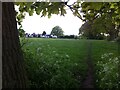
(13, 75)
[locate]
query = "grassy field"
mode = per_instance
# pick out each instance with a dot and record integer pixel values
(61, 63)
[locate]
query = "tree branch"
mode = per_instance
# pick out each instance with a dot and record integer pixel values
(72, 9)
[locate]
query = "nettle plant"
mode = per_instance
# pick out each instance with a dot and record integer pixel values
(107, 73)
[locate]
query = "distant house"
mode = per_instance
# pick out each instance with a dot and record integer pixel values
(27, 35)
(54, 36)
(40, 35)
(49, 36)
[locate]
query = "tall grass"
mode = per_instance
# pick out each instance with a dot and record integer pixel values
(55, 63)
(59, 63)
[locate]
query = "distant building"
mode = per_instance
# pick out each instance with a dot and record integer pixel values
(27, 35)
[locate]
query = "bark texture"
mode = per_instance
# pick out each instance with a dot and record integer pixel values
(13, 75)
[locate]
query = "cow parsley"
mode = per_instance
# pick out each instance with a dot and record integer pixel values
(107, 72)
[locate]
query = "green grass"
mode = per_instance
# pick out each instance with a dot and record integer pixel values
(59, 63)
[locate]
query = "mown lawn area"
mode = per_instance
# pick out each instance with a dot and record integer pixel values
(61, 63)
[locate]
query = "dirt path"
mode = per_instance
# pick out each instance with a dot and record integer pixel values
(89, 80)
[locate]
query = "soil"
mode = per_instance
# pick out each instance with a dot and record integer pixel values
(89, 80)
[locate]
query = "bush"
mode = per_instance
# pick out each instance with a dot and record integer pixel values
(107, 72)
(68, 37)
(48, 71)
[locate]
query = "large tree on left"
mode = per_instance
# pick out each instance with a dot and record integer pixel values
(13, 65)
(13, 74)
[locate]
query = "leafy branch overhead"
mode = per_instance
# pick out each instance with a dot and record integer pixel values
(43, 8)
(46, 9)
(90, 10)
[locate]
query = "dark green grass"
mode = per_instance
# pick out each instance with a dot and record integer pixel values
(59, 63)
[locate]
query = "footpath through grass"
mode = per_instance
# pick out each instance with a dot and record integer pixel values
(58, 63)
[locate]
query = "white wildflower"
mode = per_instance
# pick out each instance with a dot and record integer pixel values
(56, 54)
(76, 64)
(67, 56)
(41, 54)
(110, 59)
(110, 54)
(116, 58)
(117, 74)
(54, 51)
(102, 57)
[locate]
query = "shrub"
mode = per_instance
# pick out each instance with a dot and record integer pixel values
(68, 36)
(107, 72)
(49, 70)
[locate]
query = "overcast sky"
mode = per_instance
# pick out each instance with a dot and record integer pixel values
(35, 24)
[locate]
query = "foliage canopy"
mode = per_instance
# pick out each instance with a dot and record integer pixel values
(57, 30)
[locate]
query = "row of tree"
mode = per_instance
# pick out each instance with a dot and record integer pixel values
(56, 31)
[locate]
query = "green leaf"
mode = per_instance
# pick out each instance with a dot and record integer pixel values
(112, 5)
(63, 11)
(49, 15)
(44, 13)
(31, 12)
(96, 5)
(56, 11)
(38, 10)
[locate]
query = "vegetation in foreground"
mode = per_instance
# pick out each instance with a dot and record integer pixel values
(58, 63)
